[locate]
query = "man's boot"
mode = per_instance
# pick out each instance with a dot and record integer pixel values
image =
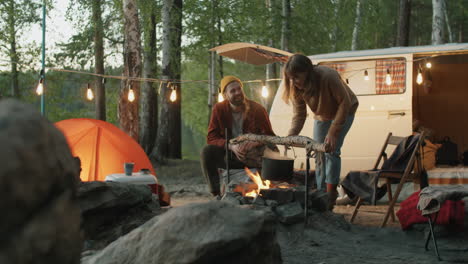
(332, 195)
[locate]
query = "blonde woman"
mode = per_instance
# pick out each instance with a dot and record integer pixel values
(333, 104)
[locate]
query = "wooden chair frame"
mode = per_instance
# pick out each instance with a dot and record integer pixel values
(411, 173)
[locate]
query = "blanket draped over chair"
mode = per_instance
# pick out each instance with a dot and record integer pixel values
(364, 183)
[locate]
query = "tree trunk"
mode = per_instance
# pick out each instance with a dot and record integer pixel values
(99, 60)
(286, 25)
(13, 53)
(460, 27)
(449, 29)
(357, 26)
(149, 100)
(437, 22)
(14, 68)
(336, 9)
(220, 42)
(128, 111)
(270, 68)
(404, 23)
(168, 141)
(212, 85)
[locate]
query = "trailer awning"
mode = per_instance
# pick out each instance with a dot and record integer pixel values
(252, 53)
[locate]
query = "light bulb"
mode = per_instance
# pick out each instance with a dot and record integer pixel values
(419, 78)
(388, 78)
(366, 75)
(40, 88)
(89, 94)
(131, 95)
(173, 96)
(220, 97)
(264, 91)
(428, 65)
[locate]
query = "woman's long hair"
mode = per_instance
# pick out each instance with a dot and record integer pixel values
(297, 63)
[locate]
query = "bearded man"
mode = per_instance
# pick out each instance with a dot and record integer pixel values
(240, 116)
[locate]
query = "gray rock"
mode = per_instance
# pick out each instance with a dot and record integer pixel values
(271, 203)
(100, 196)
(41, 219)
(290, 213)
(112, 209)
(318, 200)
(213, 232)
(232, 198)
(282, 196)
(258, 200)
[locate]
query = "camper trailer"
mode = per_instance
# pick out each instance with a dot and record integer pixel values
(395, 86)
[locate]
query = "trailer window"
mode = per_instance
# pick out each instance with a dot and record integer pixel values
(373, 77)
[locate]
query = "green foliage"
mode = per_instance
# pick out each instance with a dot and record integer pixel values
(65, 94)
(79, 50)
(206, 24)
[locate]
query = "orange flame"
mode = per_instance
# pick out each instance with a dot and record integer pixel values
(261, 184)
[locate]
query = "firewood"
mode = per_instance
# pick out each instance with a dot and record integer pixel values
(290, 141)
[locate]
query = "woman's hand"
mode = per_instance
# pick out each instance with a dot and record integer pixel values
(330, 142)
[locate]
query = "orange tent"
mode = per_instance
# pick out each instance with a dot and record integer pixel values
(102, 147)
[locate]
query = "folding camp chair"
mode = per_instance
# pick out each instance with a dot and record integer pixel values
(407, 174)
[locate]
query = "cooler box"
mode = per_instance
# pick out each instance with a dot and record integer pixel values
(136, 178)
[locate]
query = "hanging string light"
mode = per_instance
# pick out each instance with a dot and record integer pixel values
(366, 75)
(428, 65)
(220, 97)
(131, 94)
(419, 77)
(89, 93)
(173, 96)
(388, 78)
(264, 90)
(40, 87)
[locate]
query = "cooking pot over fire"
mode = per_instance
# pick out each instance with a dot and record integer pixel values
(276, 167)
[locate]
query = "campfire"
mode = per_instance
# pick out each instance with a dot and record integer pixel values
(286, 199)
(259, 184)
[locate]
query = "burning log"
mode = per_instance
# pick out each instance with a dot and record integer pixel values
(293, 141)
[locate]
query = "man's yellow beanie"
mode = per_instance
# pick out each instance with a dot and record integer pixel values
(227, 80)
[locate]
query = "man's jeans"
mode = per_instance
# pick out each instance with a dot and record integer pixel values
(332, 159)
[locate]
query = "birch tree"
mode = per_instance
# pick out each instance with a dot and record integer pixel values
(334, 34)
(168, 141)
(149, 99)
(128, 111)
(99, 59)
(447, 23)
(271, 67)
(286, 25)
(357, 25)
(438, 7)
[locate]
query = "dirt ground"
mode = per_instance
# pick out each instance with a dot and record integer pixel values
(329, 237)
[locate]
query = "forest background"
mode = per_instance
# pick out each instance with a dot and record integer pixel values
(167, 42)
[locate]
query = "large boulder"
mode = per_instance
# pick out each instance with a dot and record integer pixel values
(213, 232)
(112, 209)
(40, 222)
